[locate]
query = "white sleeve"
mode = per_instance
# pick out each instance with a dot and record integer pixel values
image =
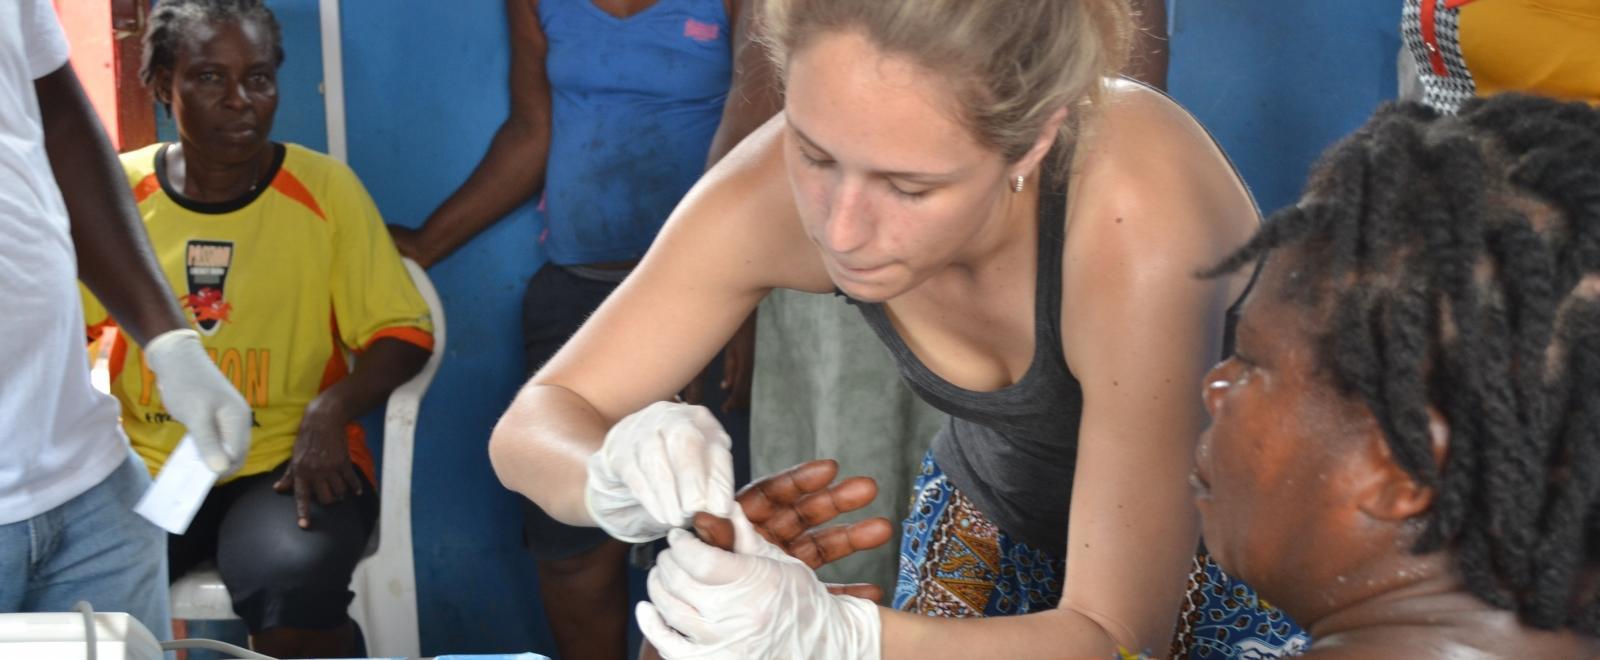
(43, 42)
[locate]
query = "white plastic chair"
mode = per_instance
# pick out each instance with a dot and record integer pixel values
(385, 581)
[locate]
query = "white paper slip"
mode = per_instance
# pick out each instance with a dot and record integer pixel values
(179, 489)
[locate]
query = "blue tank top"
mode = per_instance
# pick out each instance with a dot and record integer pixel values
(634, 104)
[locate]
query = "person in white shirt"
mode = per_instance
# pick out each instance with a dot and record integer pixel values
(68, 481)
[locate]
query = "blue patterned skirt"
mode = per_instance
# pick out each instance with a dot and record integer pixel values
(954, 562)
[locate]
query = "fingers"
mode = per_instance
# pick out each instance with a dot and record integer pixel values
(684, 617)
(404, 239)
(683, 468)
(829, 544)
(689, 556)
(868, 534)
(819, 508)
(233, 429)
(715, 531)
(328, 487)
(691, 560)
(714, 493)
(859, 590)
(747, 541)
(853, 493)
(718, 499)
(208, 444)
(351, 481)
(657, 468)
(669, 642)
(688, 469)
(770, 494)
(285, 483)
(302, 501)
(651, 454)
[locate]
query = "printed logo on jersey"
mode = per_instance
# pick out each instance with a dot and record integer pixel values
(698, 31)
(206, 265)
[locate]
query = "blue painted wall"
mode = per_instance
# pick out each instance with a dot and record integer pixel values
(426, 87)
(1277, 82)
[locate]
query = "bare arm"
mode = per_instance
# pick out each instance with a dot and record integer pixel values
(733, 238)
(513, 169)
(385, 365)
(1140, 336)
(115, 259)
(320, 467)
(753, 96)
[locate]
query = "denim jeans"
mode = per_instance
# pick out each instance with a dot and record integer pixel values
(92, 548)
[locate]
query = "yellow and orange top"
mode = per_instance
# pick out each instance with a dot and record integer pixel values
(283, 285)
(1547, 47)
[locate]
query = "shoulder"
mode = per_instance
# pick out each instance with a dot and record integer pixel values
(747, 192)
(1141, 151)
(1150, 187)
(1153, 201)
(320, 176)
(310, 166)
(324, 185)
(744, 205)
(140, 163)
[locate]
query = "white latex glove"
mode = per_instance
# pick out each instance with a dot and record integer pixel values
(198, 396)
(657, 468)
(755, 602)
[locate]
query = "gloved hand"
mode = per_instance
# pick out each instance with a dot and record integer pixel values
(755, 602)
(197, 395)
(657, 468)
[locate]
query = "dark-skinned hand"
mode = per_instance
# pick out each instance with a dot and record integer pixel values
(320, 466)
(790, 509)
(409, 242)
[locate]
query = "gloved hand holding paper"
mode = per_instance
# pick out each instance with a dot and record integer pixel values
(179, 490)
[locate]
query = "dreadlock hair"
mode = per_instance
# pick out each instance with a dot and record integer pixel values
(170, 20)
(1458, 262)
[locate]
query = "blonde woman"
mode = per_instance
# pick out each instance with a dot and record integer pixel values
(1022, 229)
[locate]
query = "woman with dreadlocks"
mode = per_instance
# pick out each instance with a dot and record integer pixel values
(283, 265)
(1405, 452)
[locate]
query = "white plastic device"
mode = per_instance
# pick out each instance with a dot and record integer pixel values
(64, 636)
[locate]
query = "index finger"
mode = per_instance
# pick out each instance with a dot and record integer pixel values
(302, 501)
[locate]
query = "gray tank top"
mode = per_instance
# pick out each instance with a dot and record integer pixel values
(1011, 451)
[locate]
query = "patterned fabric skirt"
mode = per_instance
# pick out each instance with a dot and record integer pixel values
(954, 562)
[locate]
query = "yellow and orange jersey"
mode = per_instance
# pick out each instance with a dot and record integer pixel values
(282, 285)
(1547, 47)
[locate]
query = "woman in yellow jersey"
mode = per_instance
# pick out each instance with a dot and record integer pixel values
(281, 261)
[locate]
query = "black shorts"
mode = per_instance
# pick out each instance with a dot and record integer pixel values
(278, 574)
(556, 303)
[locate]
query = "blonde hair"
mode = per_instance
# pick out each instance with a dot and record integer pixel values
(1014, 62)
